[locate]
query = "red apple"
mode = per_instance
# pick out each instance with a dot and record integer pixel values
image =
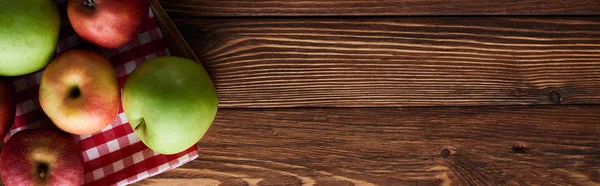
(41, 157)
(79, 92)
(7, 109)
(107, 23)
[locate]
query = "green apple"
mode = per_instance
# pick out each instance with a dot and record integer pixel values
(28, 35)
(170, 103)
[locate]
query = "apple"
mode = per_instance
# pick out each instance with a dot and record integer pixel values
(7, 109)
(28, 35)
(41, 157)
(79, 92)
(107, 23)
(170, 103)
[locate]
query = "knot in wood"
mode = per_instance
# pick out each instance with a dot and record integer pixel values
(445, 153)
(555, 97)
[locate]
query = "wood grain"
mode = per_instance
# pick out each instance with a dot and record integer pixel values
(547, 145)
(383, 62)
(379, 7)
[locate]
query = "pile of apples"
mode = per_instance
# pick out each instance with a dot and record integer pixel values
(170, 102)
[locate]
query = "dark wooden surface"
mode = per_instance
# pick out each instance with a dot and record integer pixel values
(543, 145)
(383, 62)
(406, 95)
(230, 8)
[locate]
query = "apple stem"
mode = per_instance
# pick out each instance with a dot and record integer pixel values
(89, 3)
(142, 124)
(41, 169)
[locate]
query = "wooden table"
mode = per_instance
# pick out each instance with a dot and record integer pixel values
(396, 92)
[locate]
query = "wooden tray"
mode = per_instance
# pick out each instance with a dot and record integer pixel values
(175, 42)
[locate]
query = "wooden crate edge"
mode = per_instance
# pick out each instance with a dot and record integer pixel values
(175, 41)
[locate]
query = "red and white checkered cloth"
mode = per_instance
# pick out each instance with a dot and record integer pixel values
(115, 155)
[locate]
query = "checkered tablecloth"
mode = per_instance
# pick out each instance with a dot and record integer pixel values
(115, 155)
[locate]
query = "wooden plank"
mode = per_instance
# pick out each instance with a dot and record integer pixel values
(543, 145)
(382, 62)
(226, 8)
